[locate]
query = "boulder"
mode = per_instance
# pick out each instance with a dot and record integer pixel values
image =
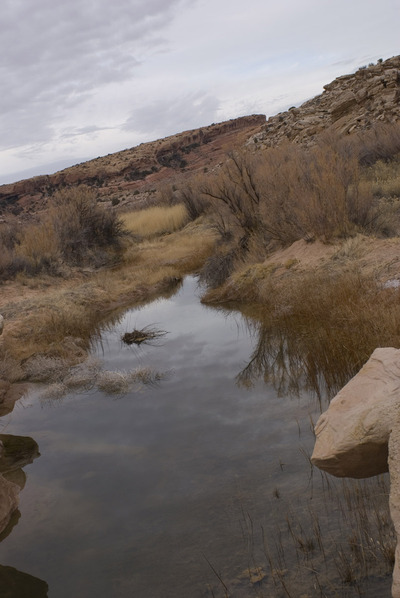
(15, 453)
(359, 434)
(8, 501)
(1, 324)
(352, 435)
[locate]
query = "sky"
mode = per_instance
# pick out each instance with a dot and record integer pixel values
(85, 78)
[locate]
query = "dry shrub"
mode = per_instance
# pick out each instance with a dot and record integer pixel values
(218, 267)
(10, 368)
(193, 199)
(385, 178)
(381, 142)
(38, 247)
(83, 375)
(156, 220)
(42, 368)
(84, 231)
(284, 194)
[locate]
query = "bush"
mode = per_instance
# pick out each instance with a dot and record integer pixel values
(284, 194)
(82, 228)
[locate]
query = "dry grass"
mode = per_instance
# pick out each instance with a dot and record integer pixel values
(156, 221)
(59, 322)
(315, 330)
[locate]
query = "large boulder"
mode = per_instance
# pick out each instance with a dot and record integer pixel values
(359, 434)
(352, 435)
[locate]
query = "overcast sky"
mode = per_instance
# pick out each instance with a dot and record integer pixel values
(84, 78)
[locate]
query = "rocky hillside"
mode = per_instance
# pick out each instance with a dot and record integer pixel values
(350, 103)
(125, 176)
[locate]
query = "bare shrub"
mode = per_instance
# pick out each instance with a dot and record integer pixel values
(192, 197)
(381, 142)
(83, 228)
(218, 268)
(284, 194)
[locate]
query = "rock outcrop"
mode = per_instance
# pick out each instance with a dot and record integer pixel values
(1, 324)
(350, 103)
(15, 453)
(359, 434)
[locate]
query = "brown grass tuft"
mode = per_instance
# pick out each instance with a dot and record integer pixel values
(157, 220)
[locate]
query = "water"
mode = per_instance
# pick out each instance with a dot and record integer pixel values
(173, 490)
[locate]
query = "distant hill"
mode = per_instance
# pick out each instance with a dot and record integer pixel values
(125, 175)
(349, 104)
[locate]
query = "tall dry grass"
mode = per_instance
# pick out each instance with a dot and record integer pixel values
(60, 321)
(316, 330)
(157, 220)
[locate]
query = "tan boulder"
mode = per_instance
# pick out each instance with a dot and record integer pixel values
(359, 434)
(8, 501)
(15, 453)
(352, 435)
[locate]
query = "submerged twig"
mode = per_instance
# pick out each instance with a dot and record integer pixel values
(138, 337)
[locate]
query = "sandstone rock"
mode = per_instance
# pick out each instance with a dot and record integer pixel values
(359, 434)
(8, 501)
(355, 98)
(352, 435)
(343, 105)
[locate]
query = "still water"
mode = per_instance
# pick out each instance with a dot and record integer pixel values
(191, 487)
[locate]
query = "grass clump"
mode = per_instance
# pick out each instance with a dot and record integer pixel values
(314, 331)
(157, 220)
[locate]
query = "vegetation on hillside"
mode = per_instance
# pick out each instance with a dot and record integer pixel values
(231, 221)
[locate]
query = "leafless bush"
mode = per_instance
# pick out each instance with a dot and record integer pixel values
(193, 199)
(381, 142)
(218, 268)
(82, 227)
(287, 193)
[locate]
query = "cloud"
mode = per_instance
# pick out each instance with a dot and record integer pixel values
(57, 53)
(166, 116)
(85, 78)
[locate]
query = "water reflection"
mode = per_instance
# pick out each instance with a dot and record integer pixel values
(130, 495)
(294, 358)
(16, 452)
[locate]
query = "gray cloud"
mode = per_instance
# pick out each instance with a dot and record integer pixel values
(71, 71)
(55, 53)
(168, 116)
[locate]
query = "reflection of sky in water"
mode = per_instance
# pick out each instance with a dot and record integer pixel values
(129, 493)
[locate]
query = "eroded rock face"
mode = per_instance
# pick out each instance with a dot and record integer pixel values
(348, 104)
(359, 434)
(352, 435)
